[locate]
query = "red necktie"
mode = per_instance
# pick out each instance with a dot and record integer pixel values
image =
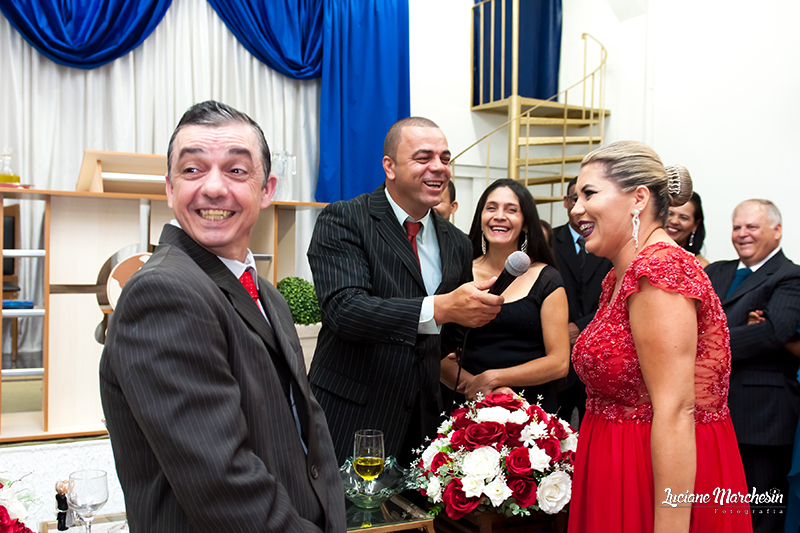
(412, 228)
(249, 284)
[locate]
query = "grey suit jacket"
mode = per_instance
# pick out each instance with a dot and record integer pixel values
(764, 395)
(371, 366)
(203, 435)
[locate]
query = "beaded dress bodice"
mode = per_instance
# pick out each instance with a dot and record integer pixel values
(605, 354)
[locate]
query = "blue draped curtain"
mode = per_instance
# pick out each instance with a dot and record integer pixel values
(286, 36)
(365, 89)
(84, 34)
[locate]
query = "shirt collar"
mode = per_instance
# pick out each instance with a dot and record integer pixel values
(574, 233)
(402, 216)
(759, 265)
(237, 268)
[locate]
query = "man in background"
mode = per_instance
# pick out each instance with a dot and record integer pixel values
(583, 275)
(202, 378)
(764, 397)
(389, 273)
(448, 206)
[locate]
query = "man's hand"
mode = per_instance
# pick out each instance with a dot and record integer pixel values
(755, 317)
(469, 305)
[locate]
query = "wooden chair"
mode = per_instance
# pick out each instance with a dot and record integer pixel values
(10, 269)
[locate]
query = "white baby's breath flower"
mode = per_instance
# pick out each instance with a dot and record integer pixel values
(518, 417)
(497, 491)
(539, 459)
(554, 492)
(472, 486)
(493, 414)
(483, 463)
(570, 444)
(533, 431)
(435, 489)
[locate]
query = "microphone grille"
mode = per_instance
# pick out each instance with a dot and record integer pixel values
(518, 263)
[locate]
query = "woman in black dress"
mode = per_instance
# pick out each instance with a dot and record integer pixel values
(526, 346)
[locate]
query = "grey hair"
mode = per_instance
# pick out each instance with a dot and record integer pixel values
(772, 211)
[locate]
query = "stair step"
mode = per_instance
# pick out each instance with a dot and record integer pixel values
(544, 141)
(533, 161)
(554, 121)
(543, 180)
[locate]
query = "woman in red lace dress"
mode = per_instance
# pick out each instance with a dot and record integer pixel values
(657, 446)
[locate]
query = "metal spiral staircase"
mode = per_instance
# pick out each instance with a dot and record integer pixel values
(547, 139)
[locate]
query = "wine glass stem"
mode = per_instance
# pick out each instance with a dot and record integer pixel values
(89, 525)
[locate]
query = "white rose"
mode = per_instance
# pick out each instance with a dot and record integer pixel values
(431, 451)
(539, 459)
(533, 431)
(497, 491)
(570, 444)
(15, 508)
(472, 486)
(435, 489)
(483, 463)
(493, 414)
(518, 417)
(554, 492)
(445, 427)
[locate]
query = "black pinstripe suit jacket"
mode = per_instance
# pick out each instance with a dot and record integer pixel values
(764, 396)
(203, 436)
(371, 366)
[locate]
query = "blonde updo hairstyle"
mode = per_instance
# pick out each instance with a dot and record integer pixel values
(631, 164)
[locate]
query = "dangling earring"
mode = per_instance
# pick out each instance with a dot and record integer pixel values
(635, 229)
(524, 247)
(691, 240)
(483, 244)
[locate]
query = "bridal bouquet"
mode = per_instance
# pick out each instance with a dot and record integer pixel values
(499, 452)
(14, 503)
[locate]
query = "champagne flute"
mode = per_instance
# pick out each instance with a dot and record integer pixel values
(87, 492)
(368, 454)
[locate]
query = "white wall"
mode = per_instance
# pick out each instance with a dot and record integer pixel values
(710, 84)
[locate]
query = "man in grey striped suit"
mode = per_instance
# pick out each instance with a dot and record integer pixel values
(389, 273)
(211, 418)
(764, 393)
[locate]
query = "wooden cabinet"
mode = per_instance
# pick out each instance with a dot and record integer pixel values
(82, 230)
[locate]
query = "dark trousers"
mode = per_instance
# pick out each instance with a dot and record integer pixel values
(765, 468)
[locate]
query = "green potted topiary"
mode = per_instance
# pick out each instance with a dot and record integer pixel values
(303, 303)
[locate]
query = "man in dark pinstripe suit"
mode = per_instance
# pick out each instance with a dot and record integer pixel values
(211, 418)
(383, 306)
(764, 394)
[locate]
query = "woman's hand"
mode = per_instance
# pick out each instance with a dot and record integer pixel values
(485, 382)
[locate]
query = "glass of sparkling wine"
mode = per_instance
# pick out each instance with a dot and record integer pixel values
(87, 492)
(368, 454)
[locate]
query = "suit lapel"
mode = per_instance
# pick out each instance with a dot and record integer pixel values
(242, 303)
(447, 252)
(393, 234)
(755, 279)
(565, 248)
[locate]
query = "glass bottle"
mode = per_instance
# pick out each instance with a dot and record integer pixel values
(6, 174)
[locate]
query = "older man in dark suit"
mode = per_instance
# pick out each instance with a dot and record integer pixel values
(211, 419)
(764, 394)
(583, 275)
(389, 272)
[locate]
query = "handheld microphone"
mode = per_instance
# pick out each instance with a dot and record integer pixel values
(516, 265)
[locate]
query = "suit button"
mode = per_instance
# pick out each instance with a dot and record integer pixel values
(314, 471)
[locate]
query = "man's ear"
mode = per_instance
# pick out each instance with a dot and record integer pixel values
(388, 167)
(269, 191)
(454, 207)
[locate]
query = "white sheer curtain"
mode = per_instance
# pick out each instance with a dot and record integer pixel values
(50, 113)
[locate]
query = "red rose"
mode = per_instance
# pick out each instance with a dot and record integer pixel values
(498, 399)
(456, 502)
(439, 459)
(514, 434)
(556, 429)
(569, 457)
(460, 420)
(7, 525)
(524, 490)
(518, 462)
(536, 412)
(484, 434)
(458, 439)
(551, 446)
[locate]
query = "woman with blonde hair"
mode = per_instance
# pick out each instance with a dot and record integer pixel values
(657, 443)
